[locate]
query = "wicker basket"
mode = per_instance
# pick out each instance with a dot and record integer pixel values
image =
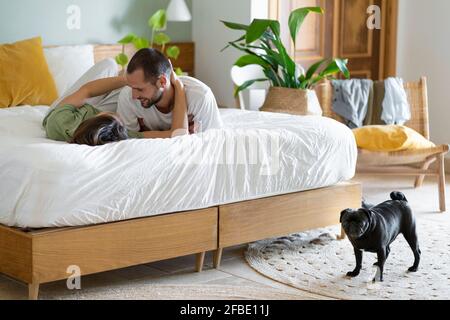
(292, 101)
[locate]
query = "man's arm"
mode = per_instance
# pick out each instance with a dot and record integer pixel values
(93, 89)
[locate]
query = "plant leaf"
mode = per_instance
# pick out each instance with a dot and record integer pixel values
(287, 64)
(158, 21)
(237, 40)
(312, 70)
(250, 59)
(235, 26)
(336, 65)
(173, 52)
(258, 27)
(141, 43)
(297, 17)
(129, 38)
(273, 77)
(246, 84)
(122, 59)
(179, 71)
(161, 39)
(342, 65)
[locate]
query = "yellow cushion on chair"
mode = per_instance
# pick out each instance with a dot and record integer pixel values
(25, 78)
(390, 138)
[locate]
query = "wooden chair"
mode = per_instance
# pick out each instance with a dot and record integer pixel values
(410, 162)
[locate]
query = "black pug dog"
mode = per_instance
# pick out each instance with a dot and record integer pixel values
(374, 228)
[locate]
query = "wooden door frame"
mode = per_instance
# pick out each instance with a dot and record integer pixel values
(388, 58)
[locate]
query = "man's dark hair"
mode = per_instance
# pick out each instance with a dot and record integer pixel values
(152, 62)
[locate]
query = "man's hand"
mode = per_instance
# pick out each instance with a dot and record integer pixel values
(174, 80)
(142, 126)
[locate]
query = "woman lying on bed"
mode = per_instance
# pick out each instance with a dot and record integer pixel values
(75, 121)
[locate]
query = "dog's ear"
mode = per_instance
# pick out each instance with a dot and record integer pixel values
(368, 213)
(343, 213)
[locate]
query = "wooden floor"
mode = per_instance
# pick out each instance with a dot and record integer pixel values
(233, 270)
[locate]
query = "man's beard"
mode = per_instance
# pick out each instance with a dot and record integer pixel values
(148, 103)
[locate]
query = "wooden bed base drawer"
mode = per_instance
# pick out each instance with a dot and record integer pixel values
(281, 215)
(45, 255)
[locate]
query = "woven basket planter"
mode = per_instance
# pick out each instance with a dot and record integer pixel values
(292, 101)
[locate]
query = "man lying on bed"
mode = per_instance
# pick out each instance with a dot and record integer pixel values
(146, 103)
(74, 119)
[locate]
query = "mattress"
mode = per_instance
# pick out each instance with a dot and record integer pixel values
(44, 183)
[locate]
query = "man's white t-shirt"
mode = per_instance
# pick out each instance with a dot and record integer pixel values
(201, 103)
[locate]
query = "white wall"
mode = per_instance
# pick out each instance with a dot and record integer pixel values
(210, 36)
(424, 49)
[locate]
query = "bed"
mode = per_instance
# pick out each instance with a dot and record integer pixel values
(139, 201)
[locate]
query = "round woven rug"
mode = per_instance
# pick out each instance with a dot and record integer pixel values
(316, 262)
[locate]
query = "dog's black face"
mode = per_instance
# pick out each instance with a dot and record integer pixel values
(355, 222)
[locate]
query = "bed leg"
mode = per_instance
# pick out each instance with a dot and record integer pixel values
(33, 291)
(342, 236)
(217, 257)
(200, 261)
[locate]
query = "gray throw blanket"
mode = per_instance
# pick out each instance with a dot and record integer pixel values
(351, 100)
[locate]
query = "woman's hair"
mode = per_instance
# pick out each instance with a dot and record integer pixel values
(104, 128)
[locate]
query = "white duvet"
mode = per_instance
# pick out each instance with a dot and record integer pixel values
(51, 184)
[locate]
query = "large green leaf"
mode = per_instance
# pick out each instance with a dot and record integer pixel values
(122, 59)
(158, 21)
(250, 59)
(287, 64)
(173, 52)
(235, 26)
(246, 84)
(336, 65)
(259, 26)
(313, 69)
(141, 43)
(297, 17)
(342, 65)
(129, 38)
(161, 39)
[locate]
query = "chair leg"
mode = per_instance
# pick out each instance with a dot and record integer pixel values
(441, 172)
(419, 180)
(33, 291)
(217, 257)
(200, 261)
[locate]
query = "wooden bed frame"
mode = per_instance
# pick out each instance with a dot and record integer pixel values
(41, 256)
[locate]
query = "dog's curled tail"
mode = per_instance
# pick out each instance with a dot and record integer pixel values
(398, 196)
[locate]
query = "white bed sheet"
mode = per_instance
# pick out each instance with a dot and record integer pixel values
(45, 183)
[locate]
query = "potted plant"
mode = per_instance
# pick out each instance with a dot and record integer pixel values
(291, 88)
(157, 23)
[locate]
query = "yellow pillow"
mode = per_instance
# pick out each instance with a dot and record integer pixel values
(390, 138)
(24, 75)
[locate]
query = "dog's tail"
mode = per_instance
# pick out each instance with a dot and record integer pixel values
(398, 196)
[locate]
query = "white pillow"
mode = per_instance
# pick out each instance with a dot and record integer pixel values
(68, 63)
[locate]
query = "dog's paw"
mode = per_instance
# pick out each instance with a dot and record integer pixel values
(377, 279)
(413, 269)
(353, 274)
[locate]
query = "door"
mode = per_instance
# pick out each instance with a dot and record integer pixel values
(342, 31)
